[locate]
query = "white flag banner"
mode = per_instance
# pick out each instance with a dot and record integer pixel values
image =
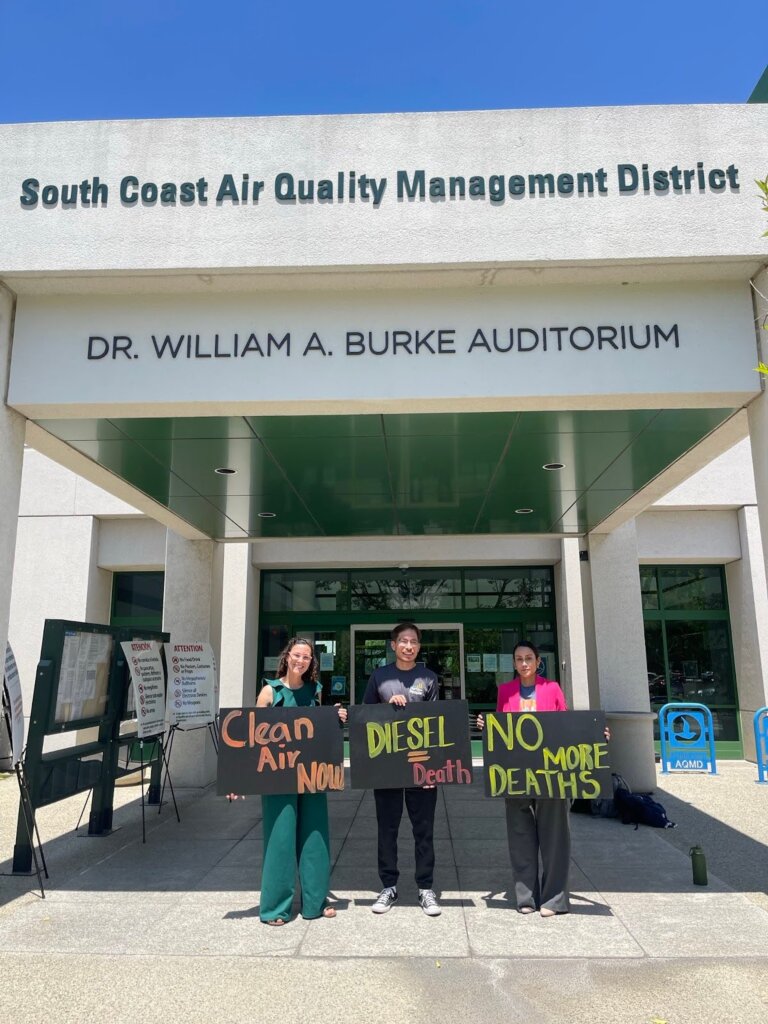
(13, 689)
(148, 679)
(193, 690)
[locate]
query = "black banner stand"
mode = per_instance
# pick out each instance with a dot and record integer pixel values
(25, 802)
(161, 745)
(212, 732)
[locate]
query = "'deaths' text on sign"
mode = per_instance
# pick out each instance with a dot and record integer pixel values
(419, 744)
(553, 755)
(280, 750)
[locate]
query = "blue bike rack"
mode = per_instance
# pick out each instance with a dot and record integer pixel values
(687, 736)
(761, 743)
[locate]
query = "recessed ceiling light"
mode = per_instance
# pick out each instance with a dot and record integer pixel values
(523, 511)
(552, 466)
(267, 515)
(225, 471)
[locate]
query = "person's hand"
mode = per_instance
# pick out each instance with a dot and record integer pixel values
(399, 699)
(607, 732)
(480, 722)
(342, 713)
(429, 787)
(235, 796)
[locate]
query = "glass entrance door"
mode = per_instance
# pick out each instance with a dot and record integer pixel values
(442, 650)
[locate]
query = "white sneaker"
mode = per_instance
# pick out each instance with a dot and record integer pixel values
(385, 900)
(429, 903)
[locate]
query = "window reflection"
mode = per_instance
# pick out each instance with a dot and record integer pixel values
(688, 642)
(520, 587)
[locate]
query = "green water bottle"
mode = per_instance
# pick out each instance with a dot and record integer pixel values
(699, 865)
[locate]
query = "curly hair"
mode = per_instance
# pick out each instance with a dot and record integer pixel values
(310, 674)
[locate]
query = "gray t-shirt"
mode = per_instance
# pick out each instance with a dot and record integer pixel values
(418, 683)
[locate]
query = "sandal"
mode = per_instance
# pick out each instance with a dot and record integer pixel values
(278, 921)
(329, 912)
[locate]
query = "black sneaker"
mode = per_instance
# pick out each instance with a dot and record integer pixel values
(428, 902)
(385, 900)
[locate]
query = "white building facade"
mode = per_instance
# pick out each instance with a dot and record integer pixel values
(492, 371)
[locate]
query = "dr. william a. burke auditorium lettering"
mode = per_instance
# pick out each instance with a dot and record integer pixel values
(404, 342)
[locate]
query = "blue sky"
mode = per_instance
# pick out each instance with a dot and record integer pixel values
(85, 59)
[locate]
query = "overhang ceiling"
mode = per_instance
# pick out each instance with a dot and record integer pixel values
(391, 475)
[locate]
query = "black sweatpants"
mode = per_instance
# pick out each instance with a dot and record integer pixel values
(420, 804)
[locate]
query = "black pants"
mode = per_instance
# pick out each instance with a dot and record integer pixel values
(420, 804)
(539, 830)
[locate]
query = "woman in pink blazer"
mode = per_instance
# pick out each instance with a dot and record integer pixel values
(536, 826)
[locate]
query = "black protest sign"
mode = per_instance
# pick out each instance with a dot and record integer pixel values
(552, 755)
(280, 750)
(422, 743)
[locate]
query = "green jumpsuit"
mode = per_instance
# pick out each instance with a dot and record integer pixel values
(295, 830)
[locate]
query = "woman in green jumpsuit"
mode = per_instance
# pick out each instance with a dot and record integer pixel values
(295, 825)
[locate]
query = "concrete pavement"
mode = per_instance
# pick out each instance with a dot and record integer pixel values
(169, 930)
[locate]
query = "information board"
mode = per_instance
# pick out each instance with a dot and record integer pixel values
(192, 689)
(550, 755)
(83, 680)
(16, 706)
(423, 743)
(148, 679)
(280, 750)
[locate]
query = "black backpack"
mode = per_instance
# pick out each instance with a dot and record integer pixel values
(602, 806)
(640, 809)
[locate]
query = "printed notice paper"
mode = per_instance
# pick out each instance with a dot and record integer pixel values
(192, 685)
(148, 679)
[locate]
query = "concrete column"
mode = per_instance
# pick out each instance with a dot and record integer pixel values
(620, 649)
(235, 629)
(187, 615)
(12, 427)
(748, 605)
(252, 679)
(757, 413)
(570, 621)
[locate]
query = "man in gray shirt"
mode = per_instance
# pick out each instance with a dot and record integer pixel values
(400, 683)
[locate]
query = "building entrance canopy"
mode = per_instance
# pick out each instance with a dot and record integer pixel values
(312, 476)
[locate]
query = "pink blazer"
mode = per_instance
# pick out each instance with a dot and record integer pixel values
(549, 696)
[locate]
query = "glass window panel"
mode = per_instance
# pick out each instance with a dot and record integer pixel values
(520, 587)
(273, 640)
(138, 595)
(488, 657)
(304, 592)
(691, 587)
(700, 663)
(649, 587)
(654, 657)
(405, 591)
(725, 725)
